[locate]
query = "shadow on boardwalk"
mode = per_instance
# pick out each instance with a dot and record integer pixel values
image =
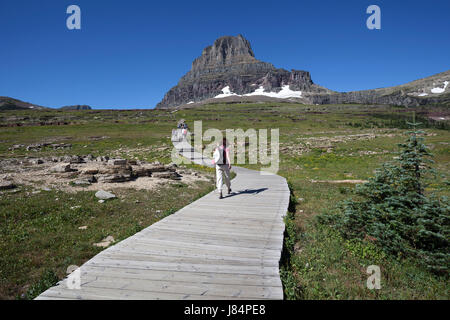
(246, 191)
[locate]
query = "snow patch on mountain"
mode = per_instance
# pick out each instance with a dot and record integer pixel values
(284, 93)
(440, 90)
(226, 92)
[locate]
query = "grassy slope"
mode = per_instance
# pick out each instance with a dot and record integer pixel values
(324, 266)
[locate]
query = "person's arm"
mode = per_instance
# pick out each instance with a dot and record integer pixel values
(227, 151)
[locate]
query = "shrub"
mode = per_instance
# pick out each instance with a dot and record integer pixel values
(393, 211)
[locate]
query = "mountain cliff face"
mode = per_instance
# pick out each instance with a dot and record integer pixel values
(228, 70)
(230, 62)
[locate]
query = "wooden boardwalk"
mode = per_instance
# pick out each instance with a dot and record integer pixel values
(211, 249)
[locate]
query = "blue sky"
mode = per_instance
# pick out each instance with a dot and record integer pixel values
(128, 54)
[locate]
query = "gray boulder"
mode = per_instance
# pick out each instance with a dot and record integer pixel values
(166, 175)
(60, 168)
(104, 195)
(117, 162)
(83, 182)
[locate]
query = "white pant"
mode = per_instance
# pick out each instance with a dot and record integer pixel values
(224, 170)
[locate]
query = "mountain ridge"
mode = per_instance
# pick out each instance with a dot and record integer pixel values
(228, 69)
(8, 103)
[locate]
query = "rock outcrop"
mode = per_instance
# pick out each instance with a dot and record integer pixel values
(230, 62)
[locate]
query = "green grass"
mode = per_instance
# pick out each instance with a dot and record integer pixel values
(39, 232)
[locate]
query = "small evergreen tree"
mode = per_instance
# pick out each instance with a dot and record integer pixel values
(394, 210)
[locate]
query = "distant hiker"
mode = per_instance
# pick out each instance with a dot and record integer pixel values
(181, 123)
(223, 166)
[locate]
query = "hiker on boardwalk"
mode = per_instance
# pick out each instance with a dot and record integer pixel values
(182, 125)
(185, 129)
(223, 166)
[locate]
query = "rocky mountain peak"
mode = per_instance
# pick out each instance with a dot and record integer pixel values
(229, 64)
(227, 50)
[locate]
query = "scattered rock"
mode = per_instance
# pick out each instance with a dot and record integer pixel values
(105, 242)
(157, 167)
(82, 227)
(104, 195)
(173, 165)
(92, 179)
(95, 138)
(37, 161)
(118, 162)
(115, 178)
(81, 183)
(57, 146)
(166, 175)
(6, 185)
(33, 147)
(16, 146)
(140, 171)
(76, 159)
(89, 157)
(89, 170)
(63, 167)
(7, 177)
(71, 171)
